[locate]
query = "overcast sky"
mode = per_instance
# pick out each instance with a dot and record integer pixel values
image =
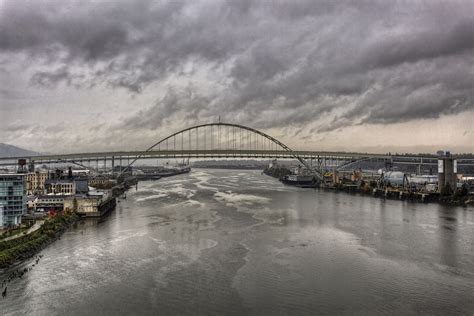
(323, 75)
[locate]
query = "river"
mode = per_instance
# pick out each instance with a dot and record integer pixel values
(239, 242)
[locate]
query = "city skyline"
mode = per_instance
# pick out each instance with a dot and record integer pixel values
(355, 76)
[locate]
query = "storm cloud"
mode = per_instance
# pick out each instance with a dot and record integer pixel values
(323, 65)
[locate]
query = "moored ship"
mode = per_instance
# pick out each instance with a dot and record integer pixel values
(302, 181)
(179, 169)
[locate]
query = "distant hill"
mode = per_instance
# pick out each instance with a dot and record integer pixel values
(13, 151)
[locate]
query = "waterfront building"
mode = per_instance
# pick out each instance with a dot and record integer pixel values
(12, 199)
(35, 182)
(93, 204)
(48, 202)
(82, 185)
(60, 186)
(100, 181)
(78, 185)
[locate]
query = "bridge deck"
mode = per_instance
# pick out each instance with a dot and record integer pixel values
(224, 153)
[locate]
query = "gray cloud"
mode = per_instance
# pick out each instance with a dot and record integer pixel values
(272, 64)
(420, 45)
(52, 78)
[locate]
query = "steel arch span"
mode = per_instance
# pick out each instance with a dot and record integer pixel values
(218, 136)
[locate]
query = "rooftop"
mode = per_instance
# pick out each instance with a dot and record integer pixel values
(49, 181)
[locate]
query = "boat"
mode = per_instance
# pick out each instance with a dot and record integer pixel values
(148, 176)
(180, 169)
(301, 181)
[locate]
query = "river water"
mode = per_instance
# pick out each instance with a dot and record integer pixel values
(238, 242)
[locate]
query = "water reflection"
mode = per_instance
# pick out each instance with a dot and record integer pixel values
(448, 239)
(238, 242)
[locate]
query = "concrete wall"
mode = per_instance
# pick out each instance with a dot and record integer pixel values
(447, 173)
(84, 205)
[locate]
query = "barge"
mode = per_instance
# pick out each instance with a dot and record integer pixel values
(301, 181)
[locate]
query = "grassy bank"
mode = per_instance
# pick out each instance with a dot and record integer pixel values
(21, 248)
(15, 231)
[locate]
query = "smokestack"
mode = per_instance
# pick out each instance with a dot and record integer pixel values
(69, 172)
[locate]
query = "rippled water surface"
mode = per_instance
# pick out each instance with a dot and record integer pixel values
(235, 242)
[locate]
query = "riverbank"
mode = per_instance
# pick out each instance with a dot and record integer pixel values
(123, 186)
(24, 247)
(458, 198)
(394, 193)
(27, 231)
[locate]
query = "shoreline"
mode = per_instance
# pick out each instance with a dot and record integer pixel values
(447, 201)
(15, 251)
(18, 250)
(387, 193)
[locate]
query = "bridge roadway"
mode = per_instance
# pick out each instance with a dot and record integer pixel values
(123, 156)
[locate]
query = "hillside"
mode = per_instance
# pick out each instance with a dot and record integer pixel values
(13, 151)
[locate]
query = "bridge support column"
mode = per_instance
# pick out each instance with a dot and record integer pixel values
(419, 166)
(113, 163)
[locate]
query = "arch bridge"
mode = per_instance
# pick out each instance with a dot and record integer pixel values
(225, 140)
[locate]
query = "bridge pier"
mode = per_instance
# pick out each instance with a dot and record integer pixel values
(419, 166)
